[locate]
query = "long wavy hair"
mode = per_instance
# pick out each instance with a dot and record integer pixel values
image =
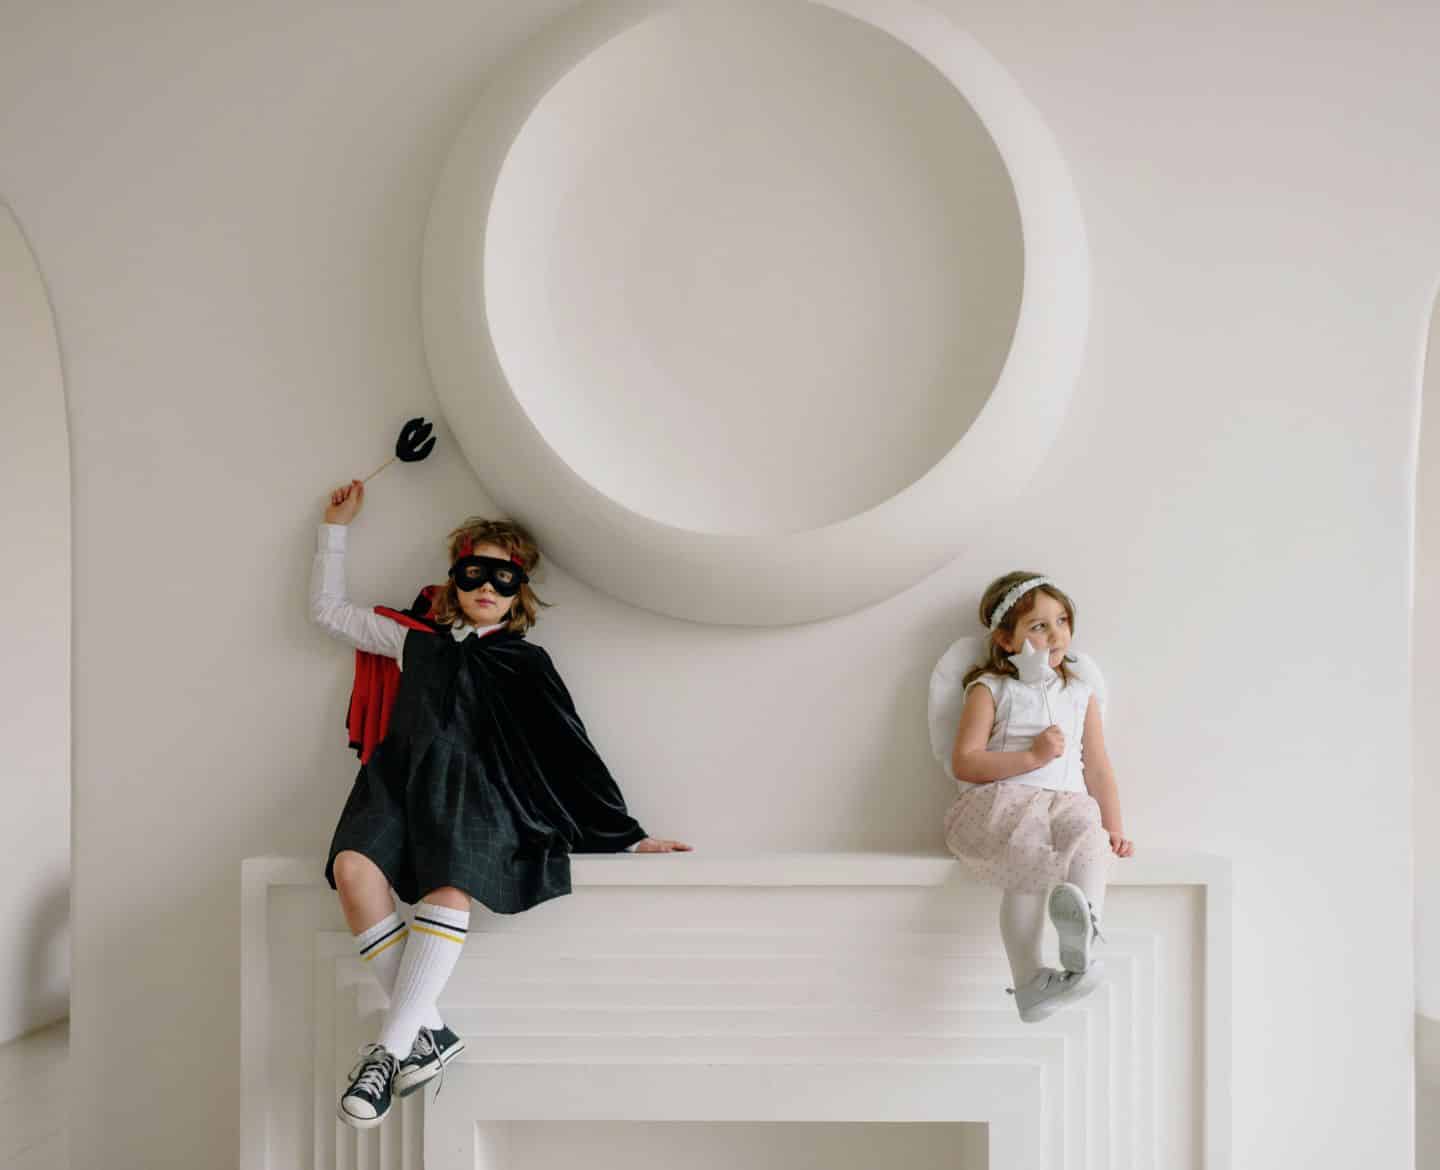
(997, 658)
(518, 544)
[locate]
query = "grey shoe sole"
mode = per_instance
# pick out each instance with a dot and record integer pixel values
(1070, 912)
(1040, 1011)
(405, 1085)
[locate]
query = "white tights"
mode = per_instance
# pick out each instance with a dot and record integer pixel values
(1022, 916)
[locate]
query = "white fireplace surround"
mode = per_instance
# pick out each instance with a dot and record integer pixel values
(754, 991)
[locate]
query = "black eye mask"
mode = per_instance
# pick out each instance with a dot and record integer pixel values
(505, 577)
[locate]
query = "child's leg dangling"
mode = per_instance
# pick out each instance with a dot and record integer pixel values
(1077, 831)
(437, 935)
(382, 947)
(379, 931)
(1022, 925)
(1088, 870)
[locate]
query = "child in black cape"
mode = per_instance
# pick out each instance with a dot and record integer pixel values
(478, 781)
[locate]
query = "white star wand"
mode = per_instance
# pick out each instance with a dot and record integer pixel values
(1034, 667)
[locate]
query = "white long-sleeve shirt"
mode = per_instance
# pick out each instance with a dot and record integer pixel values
(363, 628)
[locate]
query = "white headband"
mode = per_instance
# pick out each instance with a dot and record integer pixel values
(1015, 595)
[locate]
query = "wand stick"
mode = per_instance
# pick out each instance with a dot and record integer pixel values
(378, 470)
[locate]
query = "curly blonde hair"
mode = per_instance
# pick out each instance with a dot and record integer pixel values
(997, 659)
(518, 544)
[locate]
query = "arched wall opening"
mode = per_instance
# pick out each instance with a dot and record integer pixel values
(35, 632)
(1425, 700)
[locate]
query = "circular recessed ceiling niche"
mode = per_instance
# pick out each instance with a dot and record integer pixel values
(754, 313)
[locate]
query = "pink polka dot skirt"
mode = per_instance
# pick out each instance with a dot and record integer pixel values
(1021, 837)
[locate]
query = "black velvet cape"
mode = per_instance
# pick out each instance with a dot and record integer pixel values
(486, 779)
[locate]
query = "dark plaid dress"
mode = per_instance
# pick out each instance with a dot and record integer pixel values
(486, 779)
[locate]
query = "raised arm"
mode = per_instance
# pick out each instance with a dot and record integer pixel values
(329, 607)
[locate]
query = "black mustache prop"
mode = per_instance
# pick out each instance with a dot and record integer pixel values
(415, 442)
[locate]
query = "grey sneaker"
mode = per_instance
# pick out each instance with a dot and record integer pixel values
(1050, 989)
(367, 1100)
(430, 1054)
(1075, 923)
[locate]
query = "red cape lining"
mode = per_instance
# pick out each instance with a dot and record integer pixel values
(377, 679)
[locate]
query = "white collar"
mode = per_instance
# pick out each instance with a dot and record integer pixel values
(460, 631)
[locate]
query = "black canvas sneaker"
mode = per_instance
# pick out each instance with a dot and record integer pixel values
(431, 1052)
(367, 1100)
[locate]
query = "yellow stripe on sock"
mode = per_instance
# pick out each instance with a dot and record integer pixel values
(398, 938)
(439, 934)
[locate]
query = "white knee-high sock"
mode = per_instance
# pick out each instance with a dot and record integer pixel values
(1089, 871)
(382, 947)
(1022, 925)
(437, 935)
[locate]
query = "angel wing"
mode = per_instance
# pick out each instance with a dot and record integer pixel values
(947, 696)
(1086, 670)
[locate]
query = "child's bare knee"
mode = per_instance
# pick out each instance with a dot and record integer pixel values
(352, 869)
(449, 897)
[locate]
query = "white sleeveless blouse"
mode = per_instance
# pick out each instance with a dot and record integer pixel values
(1020, 716)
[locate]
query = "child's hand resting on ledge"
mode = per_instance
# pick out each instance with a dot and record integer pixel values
(661, 845)
(345, 503)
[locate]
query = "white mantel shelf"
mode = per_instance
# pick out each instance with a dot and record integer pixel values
(698, 868)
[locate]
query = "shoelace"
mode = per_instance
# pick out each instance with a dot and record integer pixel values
(1095, 926)
(372, 1070)
(425, 1041)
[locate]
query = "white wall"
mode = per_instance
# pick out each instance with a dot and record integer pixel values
(35, 663)
(229, 202)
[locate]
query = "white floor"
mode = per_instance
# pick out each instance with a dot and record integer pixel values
(33, 1096)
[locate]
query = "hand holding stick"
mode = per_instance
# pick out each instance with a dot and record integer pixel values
(345, 502)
